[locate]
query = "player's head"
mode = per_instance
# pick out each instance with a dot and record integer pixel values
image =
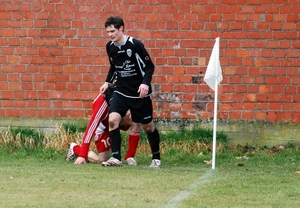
(115, 21)
(114, 26)
(109, 93)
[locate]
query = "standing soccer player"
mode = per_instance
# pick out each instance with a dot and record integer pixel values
(133, 68)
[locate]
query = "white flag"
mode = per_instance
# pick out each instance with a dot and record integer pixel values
(213, 72)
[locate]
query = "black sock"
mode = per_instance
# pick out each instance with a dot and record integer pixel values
(154, 140)
(115, 142)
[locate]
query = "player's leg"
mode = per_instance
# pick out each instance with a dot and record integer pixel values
(71, 153)
(142, 112)
(100, 110)
(154, 141)
(97, 158)
(133, 138)
(115, 140)
(103, 147)
(104, 156)
(133, 142)
(118, 110)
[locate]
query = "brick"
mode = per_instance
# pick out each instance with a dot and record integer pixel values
(249, 106)
(262, 97)
(290, 90)
(8, 103)
(279, 35)
(275, 106)
(288, 26)
(293, 53)
(247, 115)
(45, 113)
(260, 116)
(250, 97)
(13, 112)
(74, 60)
(267, 53)
(263, 106)
(29, 113)
(173, 61)
(288, 107)
(262, 26)
(275, 62)
(296, 117)
(281, 72)
(287, 63)
(261, 62)
(7, 94)
(60, 87)
(235, 115)
(12, 77)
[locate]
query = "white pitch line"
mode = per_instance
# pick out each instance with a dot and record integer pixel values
(190, 190)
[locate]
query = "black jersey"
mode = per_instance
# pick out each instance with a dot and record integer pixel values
(131, 65)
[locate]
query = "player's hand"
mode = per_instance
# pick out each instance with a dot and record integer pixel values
(143, 90)
(103, 87)
(79, 161)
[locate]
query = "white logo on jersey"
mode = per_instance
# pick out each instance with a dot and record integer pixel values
(129, 52)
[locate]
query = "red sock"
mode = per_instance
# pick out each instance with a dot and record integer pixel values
(76, 149)
(133, 138)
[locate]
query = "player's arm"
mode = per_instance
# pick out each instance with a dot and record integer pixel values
(147, 64)
(112, 70)
(111, 74)
(100, 111)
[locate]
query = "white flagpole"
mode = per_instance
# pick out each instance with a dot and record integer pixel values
(215, 126)
(213, 76)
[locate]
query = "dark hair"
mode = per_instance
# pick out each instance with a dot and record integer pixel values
(116, 21)
(109, 93)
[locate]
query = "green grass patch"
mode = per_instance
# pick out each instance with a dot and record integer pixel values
(260, 179)
(245, 176)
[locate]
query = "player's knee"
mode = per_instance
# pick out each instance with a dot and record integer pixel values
(113, 123)
(103, 156)
(148, 128)
(114, 120)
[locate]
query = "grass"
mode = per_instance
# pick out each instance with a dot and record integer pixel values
(244, 176)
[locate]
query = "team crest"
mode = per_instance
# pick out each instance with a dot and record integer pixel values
(129, 52)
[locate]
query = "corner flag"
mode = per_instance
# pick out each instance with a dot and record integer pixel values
(213, 77)
(214, 73)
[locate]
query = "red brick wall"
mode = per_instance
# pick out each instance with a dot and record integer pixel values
(53, 59)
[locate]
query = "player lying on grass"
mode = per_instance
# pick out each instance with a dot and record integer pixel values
(98, 128)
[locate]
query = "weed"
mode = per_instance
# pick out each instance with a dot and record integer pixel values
(73, 128)
(21, 137)
(187, 141)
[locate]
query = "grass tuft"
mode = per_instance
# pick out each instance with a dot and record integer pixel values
(73, 128)
(187, 141)
(14, 138)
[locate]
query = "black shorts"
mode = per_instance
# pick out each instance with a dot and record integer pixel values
(140, 108)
